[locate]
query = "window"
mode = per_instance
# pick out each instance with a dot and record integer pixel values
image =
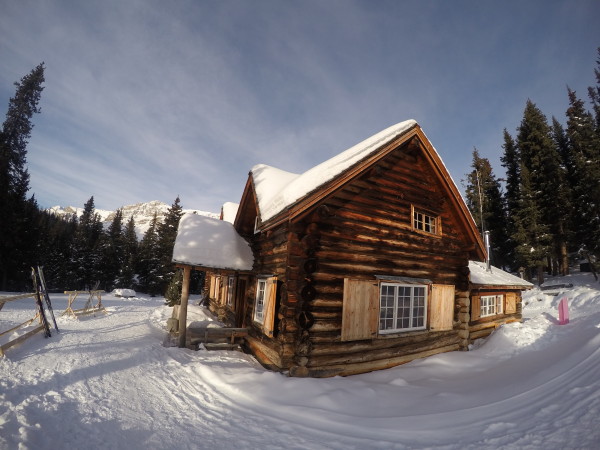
(230, 284)
(259, 304)
(425, 222)
(374, 308)
(490, 305)
(402, 307)
(264, 304)
(215, 286)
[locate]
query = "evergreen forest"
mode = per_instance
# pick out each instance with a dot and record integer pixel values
(543, 214)
(77, 253)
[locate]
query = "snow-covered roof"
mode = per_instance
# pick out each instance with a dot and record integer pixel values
(229, 211)
(495, 277)
(277, 189)
(212, 243)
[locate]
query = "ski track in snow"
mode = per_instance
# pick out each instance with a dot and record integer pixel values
(110, 381)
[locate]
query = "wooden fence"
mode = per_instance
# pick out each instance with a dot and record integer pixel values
(93, 304)
(25, 336)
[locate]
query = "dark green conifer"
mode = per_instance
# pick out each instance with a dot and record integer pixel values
(14, 178)
(484, 199)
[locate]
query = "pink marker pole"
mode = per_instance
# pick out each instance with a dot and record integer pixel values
(563, 311)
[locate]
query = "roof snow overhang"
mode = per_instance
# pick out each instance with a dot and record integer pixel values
(277, 209)
(482, 278)
(209, 243)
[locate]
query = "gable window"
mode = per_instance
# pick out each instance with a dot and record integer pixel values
(490, 305)
(426, 222)
(230, 285)
(402, 307)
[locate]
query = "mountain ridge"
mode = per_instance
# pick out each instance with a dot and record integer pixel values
(142, 214)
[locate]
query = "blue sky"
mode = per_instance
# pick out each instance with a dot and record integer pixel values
(148, 99)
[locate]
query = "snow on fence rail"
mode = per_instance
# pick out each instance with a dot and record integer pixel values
(25, 336)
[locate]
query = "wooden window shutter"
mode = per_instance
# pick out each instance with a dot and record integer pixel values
(475, 307)
(499, 304)
(213, 289)
(269, 307)
(360, 313)
(511, 303)
(442, 307)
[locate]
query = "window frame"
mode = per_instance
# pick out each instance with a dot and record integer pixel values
(230, 291)
(494, 305)
(411, 308)
(433, 222)
(259, 305)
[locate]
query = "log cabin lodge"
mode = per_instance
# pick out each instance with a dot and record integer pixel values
(366, 261)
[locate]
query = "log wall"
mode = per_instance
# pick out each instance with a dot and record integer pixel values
(484, 326)
(363, 230)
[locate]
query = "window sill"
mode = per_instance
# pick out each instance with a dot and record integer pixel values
(399, 333)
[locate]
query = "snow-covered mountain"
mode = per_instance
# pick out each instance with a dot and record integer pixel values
(142, 214)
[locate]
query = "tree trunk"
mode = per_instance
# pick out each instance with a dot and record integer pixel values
(540, 275)
(564, 259)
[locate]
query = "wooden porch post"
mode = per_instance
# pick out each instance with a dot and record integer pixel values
(185, 294)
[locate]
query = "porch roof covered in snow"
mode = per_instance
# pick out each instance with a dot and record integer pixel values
(494, 278)
(211, 243)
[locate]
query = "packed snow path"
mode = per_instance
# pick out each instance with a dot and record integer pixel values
(107, 381)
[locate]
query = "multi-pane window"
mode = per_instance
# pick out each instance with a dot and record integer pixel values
(490, 305)
(230, 284)
(259, 304)
(402, 307)
(425, 222)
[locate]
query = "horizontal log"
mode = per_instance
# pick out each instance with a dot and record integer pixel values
(383, 353)
(20, 339)
(402, 339)
(267, 355)
(356, 368)
(493, 322)
(16, 297)
(481, 333)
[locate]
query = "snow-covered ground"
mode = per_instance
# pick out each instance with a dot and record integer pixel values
(108, 381)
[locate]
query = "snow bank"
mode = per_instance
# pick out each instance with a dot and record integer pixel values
(124, 293)
(206, 242)
(110, 381)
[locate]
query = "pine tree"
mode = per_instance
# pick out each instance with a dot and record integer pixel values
(584, 146)
(173, 293)
(594, 94)
(564, 199)
(14, 177)
(130, 249)
(532, 230)
(110, 248)
(511, 161)
(484, 199)
(85, 257)
(167, 233)
(150, 261)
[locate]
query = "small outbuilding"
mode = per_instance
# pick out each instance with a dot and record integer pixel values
(495, 298)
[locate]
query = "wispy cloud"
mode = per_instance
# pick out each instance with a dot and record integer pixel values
(149, 99)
